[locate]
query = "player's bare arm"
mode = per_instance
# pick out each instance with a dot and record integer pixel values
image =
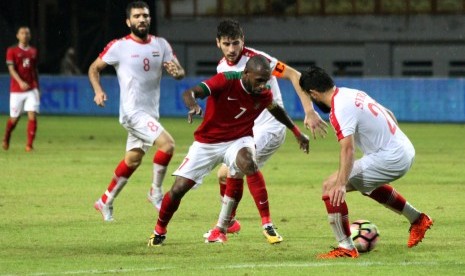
(94, 77)
(281, 115)
(337, 193)
(11, 69)
(175, 69)
(189, 96)
(312, 120)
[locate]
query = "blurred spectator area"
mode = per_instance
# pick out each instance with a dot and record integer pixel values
(195, 8)
(352, 38)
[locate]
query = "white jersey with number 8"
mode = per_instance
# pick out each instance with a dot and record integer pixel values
(139, 67)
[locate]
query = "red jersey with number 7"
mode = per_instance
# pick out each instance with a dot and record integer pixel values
(24, 61)
(230, 110)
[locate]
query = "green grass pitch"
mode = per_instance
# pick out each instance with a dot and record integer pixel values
(48, 225)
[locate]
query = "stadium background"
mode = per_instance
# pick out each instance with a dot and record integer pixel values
(411, 49)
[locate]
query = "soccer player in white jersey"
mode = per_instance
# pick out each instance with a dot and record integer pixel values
(269, 133)
(138, 59)
(388, 154)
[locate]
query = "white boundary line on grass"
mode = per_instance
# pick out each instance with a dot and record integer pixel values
(237, 266)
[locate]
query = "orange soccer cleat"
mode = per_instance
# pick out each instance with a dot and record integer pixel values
(418, 229)
(339, 252)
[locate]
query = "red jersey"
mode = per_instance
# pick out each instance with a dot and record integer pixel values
(230, 110)
(24, 61)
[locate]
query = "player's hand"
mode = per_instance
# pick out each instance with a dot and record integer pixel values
(196, 110)
(24, 85)
(337, 195)
(100, 98)
(304, 142)
(172, 69)
(315, 124)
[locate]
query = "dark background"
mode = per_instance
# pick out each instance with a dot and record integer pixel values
(86, 25)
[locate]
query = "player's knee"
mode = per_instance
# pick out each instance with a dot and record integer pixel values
(180, 187)
(326, 186)
(249, 167)
(222, 174)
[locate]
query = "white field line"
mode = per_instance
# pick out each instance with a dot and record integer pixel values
(239, 266)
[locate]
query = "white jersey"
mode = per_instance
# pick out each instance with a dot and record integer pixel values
(139, 68)
(265, 118)
(353, 112)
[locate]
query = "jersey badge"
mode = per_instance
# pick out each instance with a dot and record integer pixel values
(155, 54)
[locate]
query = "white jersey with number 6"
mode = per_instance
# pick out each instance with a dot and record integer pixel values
(139, 68)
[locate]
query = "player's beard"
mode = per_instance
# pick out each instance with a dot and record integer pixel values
(142, 34)
(324, 108)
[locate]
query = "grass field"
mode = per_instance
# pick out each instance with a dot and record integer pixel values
(48, 225)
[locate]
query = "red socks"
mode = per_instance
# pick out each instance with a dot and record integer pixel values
(388, 196)
(8, 130)
(122, 173)
(338, 218)
(257, 188)
(31, 132)
(162, 158)
(234, 188)
(168, 207)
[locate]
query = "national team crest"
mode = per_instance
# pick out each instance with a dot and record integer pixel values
(155, 54)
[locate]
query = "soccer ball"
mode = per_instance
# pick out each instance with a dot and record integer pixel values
(364, 234)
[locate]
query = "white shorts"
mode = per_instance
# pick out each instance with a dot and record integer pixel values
(24, 101)
(267, 141)
(143, 130)
(376, 169)
(203, 158)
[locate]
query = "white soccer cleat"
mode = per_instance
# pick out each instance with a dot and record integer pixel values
(105, 209)
(155, 196)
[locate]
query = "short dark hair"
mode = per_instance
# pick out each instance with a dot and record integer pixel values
(315, 78)
(229, 28)
(135, 5)
(257, 63)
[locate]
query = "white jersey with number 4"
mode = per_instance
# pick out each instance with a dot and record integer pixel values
(353, 112)
(139, 68)
(265, 118)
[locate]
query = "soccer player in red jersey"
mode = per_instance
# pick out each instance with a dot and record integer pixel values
(22, 62)
(235, 100)
(269, 133)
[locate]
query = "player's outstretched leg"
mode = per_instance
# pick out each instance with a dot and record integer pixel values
(390, 198)
(105, 203)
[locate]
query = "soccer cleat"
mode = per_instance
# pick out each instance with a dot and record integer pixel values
(339, 253)
(155, 196)
(105, 210)
(418, 229)
(215, 235)
(233, 228)
(5, 145)
(156, 240)
(271, 235)
(28, 148)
